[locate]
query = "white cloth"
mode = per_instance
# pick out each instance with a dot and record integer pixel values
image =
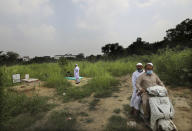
(139, 64)
(76, 73)
(135, 100)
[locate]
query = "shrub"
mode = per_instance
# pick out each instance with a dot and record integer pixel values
(174, 68)
(60, 121)
(15, 104)
(118, 123)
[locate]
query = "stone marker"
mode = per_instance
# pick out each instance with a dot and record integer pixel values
(26, 76)
(16, 78)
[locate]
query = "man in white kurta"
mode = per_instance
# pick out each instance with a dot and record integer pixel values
(135, 99)
(76, 74)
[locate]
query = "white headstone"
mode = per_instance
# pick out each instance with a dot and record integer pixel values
(16, 78)
(27, 76)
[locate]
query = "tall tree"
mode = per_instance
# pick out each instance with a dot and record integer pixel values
(113, 49)
(80, 56)
(183, 31)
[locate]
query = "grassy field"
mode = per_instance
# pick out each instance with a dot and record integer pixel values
(174, 68)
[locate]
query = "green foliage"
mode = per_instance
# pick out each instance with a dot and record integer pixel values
(56, 80)
(15, 104)
(118, 123)
(60, 121)
(63, 61)
(101, 85)
(174, 68)
(8, 58)
(22, 122)
(93, 103)
(117, 111)
(1, 95)
(127, 109)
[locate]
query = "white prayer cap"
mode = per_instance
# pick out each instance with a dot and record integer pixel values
(150, 64)
(75, 64)
(139, 64)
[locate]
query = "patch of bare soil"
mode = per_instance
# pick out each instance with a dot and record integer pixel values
(34, 88)
(83, 81)
(96, 120)
(182, 102)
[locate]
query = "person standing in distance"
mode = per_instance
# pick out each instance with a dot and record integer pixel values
(76, 74)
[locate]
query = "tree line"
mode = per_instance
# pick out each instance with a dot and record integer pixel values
(179, 37)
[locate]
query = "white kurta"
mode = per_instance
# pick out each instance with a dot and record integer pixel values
(135, 100)
(76, 73)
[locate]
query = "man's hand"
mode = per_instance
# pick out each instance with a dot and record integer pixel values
(142, 90)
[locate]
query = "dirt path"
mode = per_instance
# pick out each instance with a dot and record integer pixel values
(182, 102)
(96, 120)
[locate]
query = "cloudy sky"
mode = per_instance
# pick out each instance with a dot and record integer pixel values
(50, 27)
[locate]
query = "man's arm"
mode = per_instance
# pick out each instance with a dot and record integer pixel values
(134, 80)
(159, 82)
(138, 82)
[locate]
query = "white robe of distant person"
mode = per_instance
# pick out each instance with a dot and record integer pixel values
(76, 74)
(135, 99)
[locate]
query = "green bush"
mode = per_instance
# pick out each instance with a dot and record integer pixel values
(118, 123)
(174, 68)
(56, 80)
(15, 104)
(60, 121)
(101, 86)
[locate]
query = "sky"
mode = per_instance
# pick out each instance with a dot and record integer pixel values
(56, 27)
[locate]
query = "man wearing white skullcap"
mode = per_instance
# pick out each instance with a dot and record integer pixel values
(135, 100)
(76, 74)
(147, 79)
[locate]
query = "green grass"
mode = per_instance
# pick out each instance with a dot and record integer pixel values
(22, 122)
(84, 114)
(127, 109)
(117, 111)
(89, 120)
(60, 121)
(17, 104)
(101, 86)
(93, 104)
(118, 123)
(174, 68)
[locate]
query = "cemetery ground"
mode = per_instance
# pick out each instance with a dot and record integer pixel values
(100, 102)
(92, 113)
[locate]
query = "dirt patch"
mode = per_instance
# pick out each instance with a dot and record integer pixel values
(34, 88)
(97, 119)
(182, 102)
(83, 81)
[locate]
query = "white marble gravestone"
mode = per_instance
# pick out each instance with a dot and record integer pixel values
(16, 78)
(27, 76)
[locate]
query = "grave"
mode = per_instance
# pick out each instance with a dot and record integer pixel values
(16, 78)
(29, 80)
(28, 85)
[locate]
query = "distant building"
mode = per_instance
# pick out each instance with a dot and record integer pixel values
(66, 56)
(26, 58)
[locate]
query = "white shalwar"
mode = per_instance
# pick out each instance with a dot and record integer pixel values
(135, 100)
(76, 74)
